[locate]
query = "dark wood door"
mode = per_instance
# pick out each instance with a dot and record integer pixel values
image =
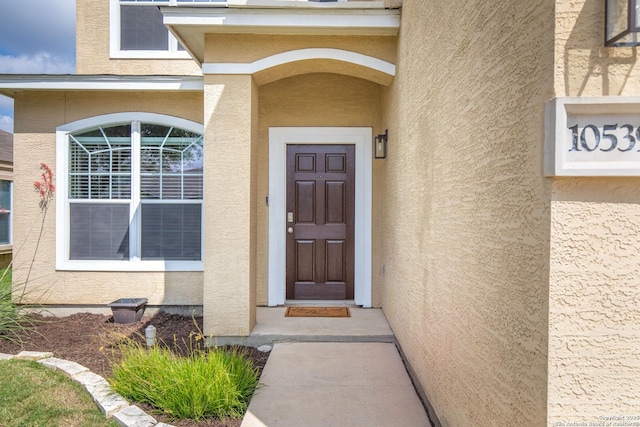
(320, 221)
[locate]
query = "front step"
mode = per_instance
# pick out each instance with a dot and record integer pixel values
(321, 303)
(364, 325)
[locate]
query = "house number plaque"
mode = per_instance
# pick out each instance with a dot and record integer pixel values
(593, 136)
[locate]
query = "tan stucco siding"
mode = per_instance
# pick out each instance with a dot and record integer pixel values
(92, 47)
(36, 117)
(594, 335)
(584, 67)
(246, 48)
(465, 212)
(312, 100)
(6, 156)
(229, 220)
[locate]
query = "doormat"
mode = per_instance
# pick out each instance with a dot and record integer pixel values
(317, 312)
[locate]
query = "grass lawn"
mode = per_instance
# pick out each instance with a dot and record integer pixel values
(34, 395)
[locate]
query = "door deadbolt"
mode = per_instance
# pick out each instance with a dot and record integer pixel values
(289, 216)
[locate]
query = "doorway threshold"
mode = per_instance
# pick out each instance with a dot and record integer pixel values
(320, 303)
(364, 325)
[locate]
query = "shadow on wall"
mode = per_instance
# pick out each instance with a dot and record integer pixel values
(589, 67)
(600, 190)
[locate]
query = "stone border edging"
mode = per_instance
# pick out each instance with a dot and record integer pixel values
(110, 403)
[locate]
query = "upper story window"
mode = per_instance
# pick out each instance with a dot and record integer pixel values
(141, 29)
(137, 30)
(134, 192)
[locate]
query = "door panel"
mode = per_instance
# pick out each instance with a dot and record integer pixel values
(305, 260)
(306, 201)
(320, 220)
(335, 207)
(334, 257)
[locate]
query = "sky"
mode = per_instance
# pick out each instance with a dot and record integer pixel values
(36, 37)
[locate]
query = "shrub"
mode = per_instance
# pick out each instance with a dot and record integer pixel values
(12, 321)
(9, 316)
(215, 383)
(15, 316)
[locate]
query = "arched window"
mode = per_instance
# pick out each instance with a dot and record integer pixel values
(134, 194)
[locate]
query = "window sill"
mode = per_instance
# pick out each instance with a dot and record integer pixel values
(130, 266)
(149, 54)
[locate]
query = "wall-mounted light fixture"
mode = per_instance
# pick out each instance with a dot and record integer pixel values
(380, 145)
(622, 18)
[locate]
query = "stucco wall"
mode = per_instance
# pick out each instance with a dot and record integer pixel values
(465, 211)
(36, 117)
(229, 239)
(313, 100)
(92, 47)
(245, 48)
(594, 336)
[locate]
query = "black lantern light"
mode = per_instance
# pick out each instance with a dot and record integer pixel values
(622, 22)
(380, 145)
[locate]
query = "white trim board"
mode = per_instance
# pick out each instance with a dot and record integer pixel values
(306, 4)
(301, 55)
(279, 137)
(320, 21)
(10, 83)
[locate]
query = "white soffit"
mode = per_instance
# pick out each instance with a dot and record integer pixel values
(11, 83)
(190, 24)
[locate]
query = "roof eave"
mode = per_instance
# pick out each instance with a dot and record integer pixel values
(191, 24)
(10, 84)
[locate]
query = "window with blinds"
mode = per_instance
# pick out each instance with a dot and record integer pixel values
(170, 163)
(100, 163)
(135, 192)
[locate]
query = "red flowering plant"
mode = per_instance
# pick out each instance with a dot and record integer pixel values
(45, 188)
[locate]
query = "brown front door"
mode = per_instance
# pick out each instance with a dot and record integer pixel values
(320, 221)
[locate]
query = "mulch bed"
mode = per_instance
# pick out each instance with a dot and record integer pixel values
(92, 341)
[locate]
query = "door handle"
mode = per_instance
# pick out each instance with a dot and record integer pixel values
(290, 230)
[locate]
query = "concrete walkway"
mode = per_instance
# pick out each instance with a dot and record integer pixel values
(347, 380)
(321, 372)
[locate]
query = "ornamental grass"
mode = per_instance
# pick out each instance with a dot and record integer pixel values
(214, 383)
(15, 319)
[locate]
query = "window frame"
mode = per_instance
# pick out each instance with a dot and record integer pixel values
(116, 52)
(9, 212)
(63, 202)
